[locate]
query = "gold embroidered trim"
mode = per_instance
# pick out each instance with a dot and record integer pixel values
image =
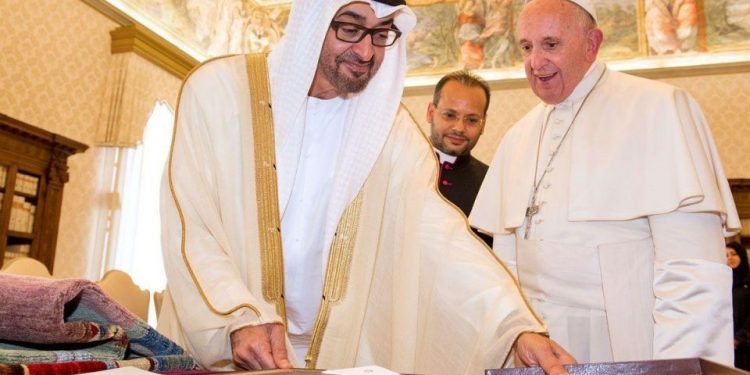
(337, 274)
(180, 213)
(266, 189)
(468, 228)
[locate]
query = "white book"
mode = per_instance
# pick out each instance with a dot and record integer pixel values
(14, 213)
(24, 217)
(25, 185)
(366, 370)
(16, 210)
(34, 185)
(31, 220)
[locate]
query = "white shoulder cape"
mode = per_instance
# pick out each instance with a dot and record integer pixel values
(640, 148)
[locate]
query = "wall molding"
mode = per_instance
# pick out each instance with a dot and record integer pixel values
(132, 36)
(650, 73)
(693, 71)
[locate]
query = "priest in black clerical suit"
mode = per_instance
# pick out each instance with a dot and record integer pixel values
(457, 118)
(460, 180)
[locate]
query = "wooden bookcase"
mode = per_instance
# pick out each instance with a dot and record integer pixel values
(741, 194)
(33, 171)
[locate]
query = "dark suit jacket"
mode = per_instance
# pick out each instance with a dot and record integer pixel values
(460, 182)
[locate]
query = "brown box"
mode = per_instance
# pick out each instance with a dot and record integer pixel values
(687, 366)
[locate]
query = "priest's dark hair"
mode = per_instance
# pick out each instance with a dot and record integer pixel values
(465, 78)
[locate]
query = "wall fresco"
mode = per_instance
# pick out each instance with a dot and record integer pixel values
(473, 34)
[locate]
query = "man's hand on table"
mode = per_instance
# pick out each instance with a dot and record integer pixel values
(260, 347)
(533, 349)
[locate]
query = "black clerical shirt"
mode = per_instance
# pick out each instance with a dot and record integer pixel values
(459, 183)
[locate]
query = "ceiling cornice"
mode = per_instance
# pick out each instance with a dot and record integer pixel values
(144, 42)
(132, 36)
(110, 11)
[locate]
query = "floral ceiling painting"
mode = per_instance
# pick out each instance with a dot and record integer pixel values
(474, 34)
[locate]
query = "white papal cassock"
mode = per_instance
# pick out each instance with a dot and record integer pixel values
(625, 258)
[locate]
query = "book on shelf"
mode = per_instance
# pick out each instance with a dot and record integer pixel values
(26, 184)
(17, 251)
(21, 215)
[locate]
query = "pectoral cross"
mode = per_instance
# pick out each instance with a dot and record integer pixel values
(531, 210)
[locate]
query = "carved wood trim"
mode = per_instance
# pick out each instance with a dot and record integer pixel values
(741, 194)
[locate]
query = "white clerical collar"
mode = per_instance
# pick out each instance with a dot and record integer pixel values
(587, 84)
(445, 157)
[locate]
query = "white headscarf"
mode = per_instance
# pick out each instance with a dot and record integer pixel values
(292, 66)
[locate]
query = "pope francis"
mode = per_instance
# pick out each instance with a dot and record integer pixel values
(610, 200)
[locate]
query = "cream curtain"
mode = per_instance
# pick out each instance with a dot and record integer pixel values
(133, 86)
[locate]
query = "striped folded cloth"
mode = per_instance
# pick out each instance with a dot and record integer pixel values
(47, 321)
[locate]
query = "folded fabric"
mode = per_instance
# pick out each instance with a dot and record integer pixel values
(171, 364)
(62, 321)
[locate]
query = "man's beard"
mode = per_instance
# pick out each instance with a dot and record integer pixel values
(343, 83)
(440, 142)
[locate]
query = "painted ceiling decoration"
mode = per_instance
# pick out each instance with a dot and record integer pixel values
(473, 34)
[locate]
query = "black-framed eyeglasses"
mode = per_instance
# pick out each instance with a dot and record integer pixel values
(353, 33)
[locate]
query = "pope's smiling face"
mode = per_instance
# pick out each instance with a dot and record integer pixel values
(559, 44)
(343, 67)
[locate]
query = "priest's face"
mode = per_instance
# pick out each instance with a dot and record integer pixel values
(457, 120)
(559, 42)
(344, 67)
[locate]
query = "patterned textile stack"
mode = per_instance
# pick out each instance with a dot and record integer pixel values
(70, 326)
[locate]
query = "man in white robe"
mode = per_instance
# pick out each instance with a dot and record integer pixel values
(302, 226)
(609, 201)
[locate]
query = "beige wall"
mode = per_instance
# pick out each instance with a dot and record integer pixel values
(725, 100)
(53, 67)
